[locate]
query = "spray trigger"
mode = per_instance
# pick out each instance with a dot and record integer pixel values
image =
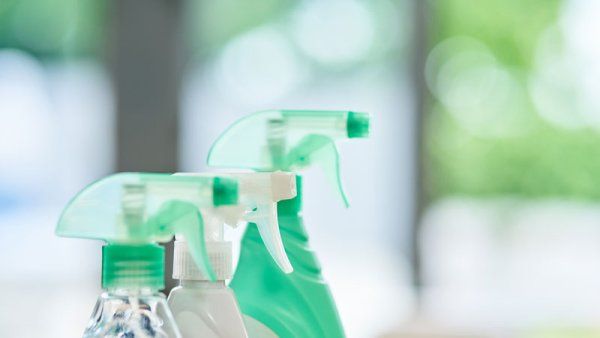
(320, 150)
(265, 218)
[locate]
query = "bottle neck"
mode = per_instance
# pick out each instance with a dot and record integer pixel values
(131, 291)
(202, 284)
(219, 255)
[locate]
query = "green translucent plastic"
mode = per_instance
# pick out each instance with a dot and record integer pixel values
(119, 260)
(289, 140)
(225, 191)
(297, 304)
(138, 209)
(358, 125)
(292, 305)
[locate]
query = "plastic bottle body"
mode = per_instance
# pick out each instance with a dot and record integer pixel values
(257, 329)
(131, 313)
(205, 309)
(294, 305)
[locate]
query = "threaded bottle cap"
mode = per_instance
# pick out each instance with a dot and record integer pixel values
(133, 266)
(219, 254)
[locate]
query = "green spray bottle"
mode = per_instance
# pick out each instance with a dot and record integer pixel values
(132, 212)
(298, 304)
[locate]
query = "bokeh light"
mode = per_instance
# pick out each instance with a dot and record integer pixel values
(334, 32)
(486, 98)
(260, 66)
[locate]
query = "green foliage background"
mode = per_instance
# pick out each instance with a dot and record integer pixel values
(53, 28)
(546, 161)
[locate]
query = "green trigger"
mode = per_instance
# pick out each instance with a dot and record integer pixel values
(320, 150)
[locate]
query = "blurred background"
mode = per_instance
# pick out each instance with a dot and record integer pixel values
(474, 205)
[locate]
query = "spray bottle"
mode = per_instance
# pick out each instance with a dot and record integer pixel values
(206, 308)
(299, 304)
(132, 212)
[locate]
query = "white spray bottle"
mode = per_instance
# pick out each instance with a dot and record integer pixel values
(204, 306)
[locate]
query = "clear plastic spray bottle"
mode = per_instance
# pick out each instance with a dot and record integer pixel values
(132, 212)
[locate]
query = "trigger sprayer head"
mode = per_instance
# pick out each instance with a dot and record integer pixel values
(133, 211)
(289, 140)
(258, 195)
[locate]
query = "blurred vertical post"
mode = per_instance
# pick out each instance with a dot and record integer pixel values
(145, 57)
(420, 44)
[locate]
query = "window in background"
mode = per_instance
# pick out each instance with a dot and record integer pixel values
(55, 136)
(320, 55)
(512, 236)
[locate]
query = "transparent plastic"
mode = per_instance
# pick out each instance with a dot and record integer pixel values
(289, 140)
(122, 313)
(143, 208)
(261, 141)
(117, 208)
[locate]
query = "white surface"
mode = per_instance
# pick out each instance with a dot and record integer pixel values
(512, 264)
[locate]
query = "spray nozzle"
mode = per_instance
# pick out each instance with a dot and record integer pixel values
(289, 140)
(142, 208)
